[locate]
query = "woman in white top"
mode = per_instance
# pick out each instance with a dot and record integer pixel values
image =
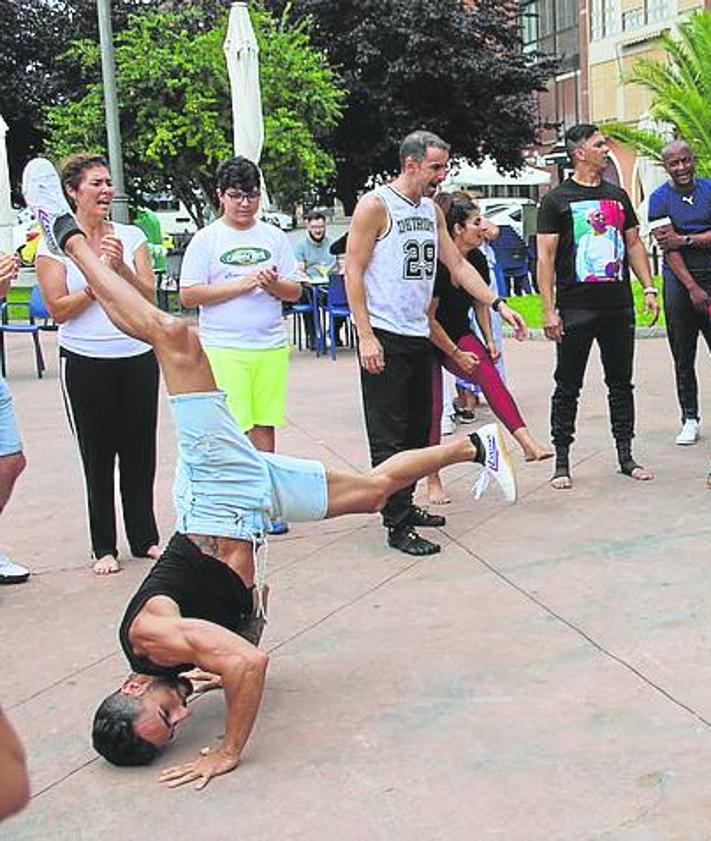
(109, 379)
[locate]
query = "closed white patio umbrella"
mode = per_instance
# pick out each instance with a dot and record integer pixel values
(242, 57)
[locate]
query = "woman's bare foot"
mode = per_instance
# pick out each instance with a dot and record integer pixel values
(537, 453)
(436, 495)
(532, 450)
(154, 552)
(106, 565)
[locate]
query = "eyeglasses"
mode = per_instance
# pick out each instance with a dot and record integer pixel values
(240, 197)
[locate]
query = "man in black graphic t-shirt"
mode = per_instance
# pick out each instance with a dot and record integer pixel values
(588, 236)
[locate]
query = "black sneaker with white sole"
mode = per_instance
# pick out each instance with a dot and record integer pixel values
(44, 195)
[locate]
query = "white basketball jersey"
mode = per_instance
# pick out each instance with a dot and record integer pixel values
(400, 276)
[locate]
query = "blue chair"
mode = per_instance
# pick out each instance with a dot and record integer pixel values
(512, 256)
(298, 310)
(336, 306)
(37, 319)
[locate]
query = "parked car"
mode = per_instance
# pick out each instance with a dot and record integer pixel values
(518, 213)
(279, 219)
(173, 215)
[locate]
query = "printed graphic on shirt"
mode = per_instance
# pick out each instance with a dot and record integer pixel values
(598, 227)
(420, 258)
(245, 256)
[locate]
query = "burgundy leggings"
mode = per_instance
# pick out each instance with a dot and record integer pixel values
(485, 375)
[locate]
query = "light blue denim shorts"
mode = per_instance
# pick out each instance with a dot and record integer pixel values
(224, 487)
(10, 441)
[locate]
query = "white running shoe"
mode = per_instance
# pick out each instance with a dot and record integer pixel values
(497, 463)
(689, 432)
(12, 573)
(43, 193)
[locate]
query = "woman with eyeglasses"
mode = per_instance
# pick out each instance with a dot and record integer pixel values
(109, 379)
(238, 270)
(458, 349)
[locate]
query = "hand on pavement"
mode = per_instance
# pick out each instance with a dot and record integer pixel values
(212, 763)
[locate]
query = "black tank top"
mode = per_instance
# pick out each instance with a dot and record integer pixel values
(201, 586)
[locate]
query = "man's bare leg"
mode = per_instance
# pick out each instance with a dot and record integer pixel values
(182, 360)
(350, 493)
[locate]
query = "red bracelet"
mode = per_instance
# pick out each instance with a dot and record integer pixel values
(89, 292)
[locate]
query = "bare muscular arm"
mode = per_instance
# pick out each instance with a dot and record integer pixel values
(162, 634)
(369, 221)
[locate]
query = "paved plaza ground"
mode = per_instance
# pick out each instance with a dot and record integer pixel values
(546, 677)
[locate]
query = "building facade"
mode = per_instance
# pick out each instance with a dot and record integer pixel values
(598, 42)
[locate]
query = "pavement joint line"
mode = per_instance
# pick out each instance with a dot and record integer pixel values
(321, 546)
(349, 603)
(54, 783)
(60, 681)
(580, 632)
(311, 437)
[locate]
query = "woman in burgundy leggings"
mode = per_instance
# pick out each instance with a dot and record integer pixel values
(458, 349)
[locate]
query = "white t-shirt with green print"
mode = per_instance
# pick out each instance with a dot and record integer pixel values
(219, 253)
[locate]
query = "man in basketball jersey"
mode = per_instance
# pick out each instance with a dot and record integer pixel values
(395, 239)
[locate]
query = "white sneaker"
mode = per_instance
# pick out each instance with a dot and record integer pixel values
(497, 463)
(43, 193)
(12, 573)
(689, 433)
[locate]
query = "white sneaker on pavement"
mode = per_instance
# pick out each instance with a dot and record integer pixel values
(43, 193)
(12, 573)
(497, 463)
(689, 432)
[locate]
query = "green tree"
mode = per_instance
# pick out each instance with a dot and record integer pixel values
(453, 67)
(175, 108)
(681, 92)
(33, 34)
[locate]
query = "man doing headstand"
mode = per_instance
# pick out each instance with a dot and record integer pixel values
(196, 606)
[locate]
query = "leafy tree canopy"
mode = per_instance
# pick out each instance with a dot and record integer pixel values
(176, 116)
(33, 33)
(681, 93)
(455, 68)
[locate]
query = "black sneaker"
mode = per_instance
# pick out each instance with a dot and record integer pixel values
(463, 415)
(420, 517)
(407, 540)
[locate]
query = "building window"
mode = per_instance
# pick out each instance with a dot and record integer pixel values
(605, 18)
(529, 26)
(657, 10)
(633, 19)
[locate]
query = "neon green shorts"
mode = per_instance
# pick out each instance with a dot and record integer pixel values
(254, 382)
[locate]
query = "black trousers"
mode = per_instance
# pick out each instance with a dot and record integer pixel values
(112, 406)
(684, 324)
(398, 409)
(614, 332)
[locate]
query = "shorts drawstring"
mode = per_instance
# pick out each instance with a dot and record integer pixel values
(259, 541)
